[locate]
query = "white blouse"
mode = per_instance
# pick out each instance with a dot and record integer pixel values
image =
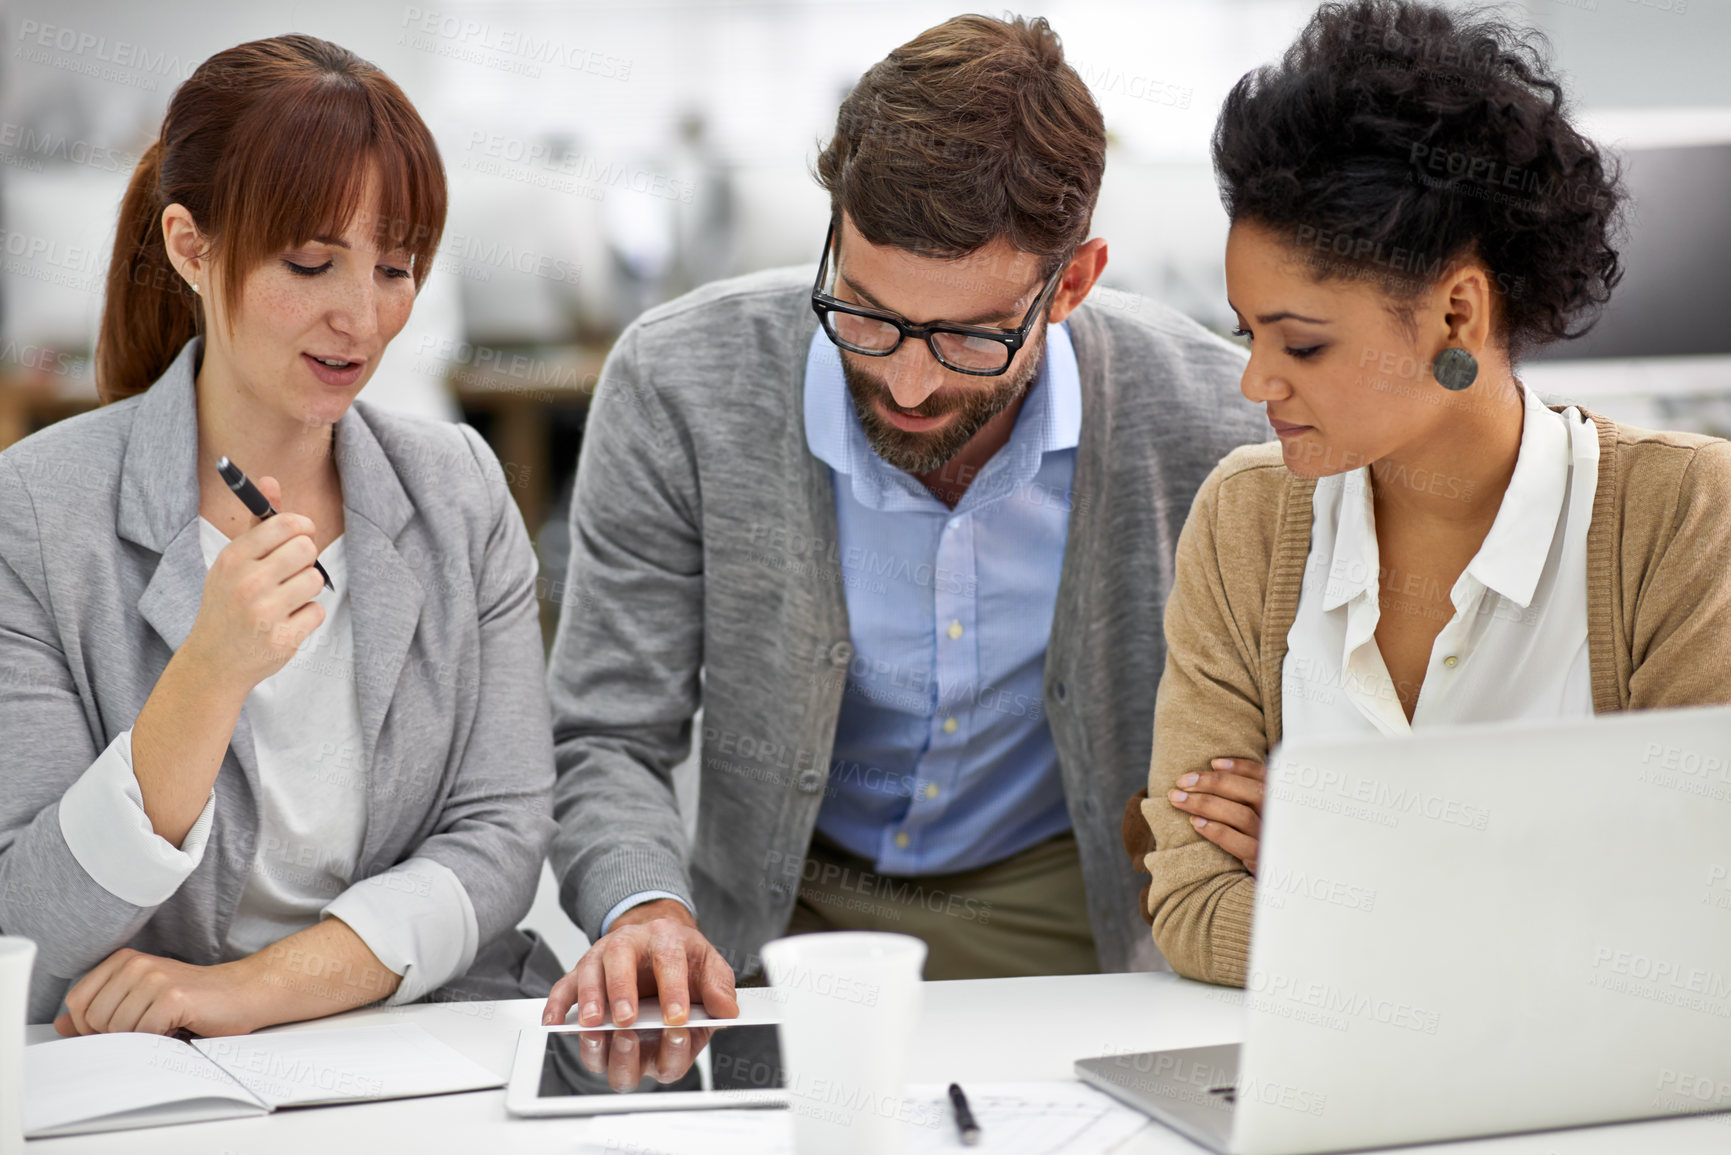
(312, 804)
(1516, 646)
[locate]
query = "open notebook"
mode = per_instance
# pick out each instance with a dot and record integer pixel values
(121, 1081)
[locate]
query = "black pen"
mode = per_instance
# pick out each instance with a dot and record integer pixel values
(964, 1118)
(256, 502)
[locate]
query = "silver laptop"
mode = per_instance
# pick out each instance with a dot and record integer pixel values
(1474, 931)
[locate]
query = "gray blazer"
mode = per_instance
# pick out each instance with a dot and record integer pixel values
(704, 538)
(100, 580)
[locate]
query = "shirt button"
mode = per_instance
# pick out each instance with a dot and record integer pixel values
(1451, 661)
(901, 842)
(950, 725)
(811, 781)
(931, 789)
(841, 653)
(955, 630)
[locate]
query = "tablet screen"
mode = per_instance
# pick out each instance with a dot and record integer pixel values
(627, 1061)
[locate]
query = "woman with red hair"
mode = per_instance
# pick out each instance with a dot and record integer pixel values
(257, 770)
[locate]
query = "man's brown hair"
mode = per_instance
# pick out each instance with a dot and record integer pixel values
(972, 130)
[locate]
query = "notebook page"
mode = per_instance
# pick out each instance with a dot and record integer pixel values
(1057, 1118)
(112, 1082)
(346, 1065)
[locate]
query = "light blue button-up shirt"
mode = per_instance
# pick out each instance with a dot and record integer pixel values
(943, 758)
(949, 611)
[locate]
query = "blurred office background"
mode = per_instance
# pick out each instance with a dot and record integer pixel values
(608, 154)
(605, 155)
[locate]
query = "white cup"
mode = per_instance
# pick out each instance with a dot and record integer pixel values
(849, 1001)
(16, 957)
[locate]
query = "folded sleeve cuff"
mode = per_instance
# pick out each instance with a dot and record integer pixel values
(103, 820)
(639, 899)
(417, 920)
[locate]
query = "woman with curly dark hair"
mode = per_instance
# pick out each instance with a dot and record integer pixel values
(1429, 544)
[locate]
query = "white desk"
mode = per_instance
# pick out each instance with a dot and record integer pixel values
(977, 1031)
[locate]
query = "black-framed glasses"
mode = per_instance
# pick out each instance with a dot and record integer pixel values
(972, 349)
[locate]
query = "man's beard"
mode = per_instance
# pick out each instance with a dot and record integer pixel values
(919, 453)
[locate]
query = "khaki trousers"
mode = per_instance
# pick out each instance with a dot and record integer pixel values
(1026, 915)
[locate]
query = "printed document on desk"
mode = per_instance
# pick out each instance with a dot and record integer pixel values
(122, 1081)
(1014, 1118)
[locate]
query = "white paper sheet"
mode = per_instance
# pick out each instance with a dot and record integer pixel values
(307, 1068)
(107, 1082)
(1014, 1118)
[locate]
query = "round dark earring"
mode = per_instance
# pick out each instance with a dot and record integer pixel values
(1455, 368)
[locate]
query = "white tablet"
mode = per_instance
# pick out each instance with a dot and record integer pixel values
(605, 1070)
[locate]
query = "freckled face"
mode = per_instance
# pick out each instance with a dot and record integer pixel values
(1343, 381)
(313, 322)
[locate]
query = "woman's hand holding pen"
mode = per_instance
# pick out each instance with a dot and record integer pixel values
(1225, 805)
(258, 603)
(255, 609)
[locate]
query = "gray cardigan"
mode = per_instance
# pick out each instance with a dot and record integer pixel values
(100, 579)
(704, 541)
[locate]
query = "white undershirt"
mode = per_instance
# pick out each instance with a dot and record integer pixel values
(312, 778)
(1516, 645)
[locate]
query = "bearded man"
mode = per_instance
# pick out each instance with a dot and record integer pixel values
(904, 530)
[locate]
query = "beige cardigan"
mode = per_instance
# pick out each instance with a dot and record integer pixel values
(1658, 634)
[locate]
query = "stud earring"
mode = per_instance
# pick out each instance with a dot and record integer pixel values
(1455, 369)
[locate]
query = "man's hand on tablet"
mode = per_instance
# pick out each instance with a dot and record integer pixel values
(1225, 805)
(651, 949)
